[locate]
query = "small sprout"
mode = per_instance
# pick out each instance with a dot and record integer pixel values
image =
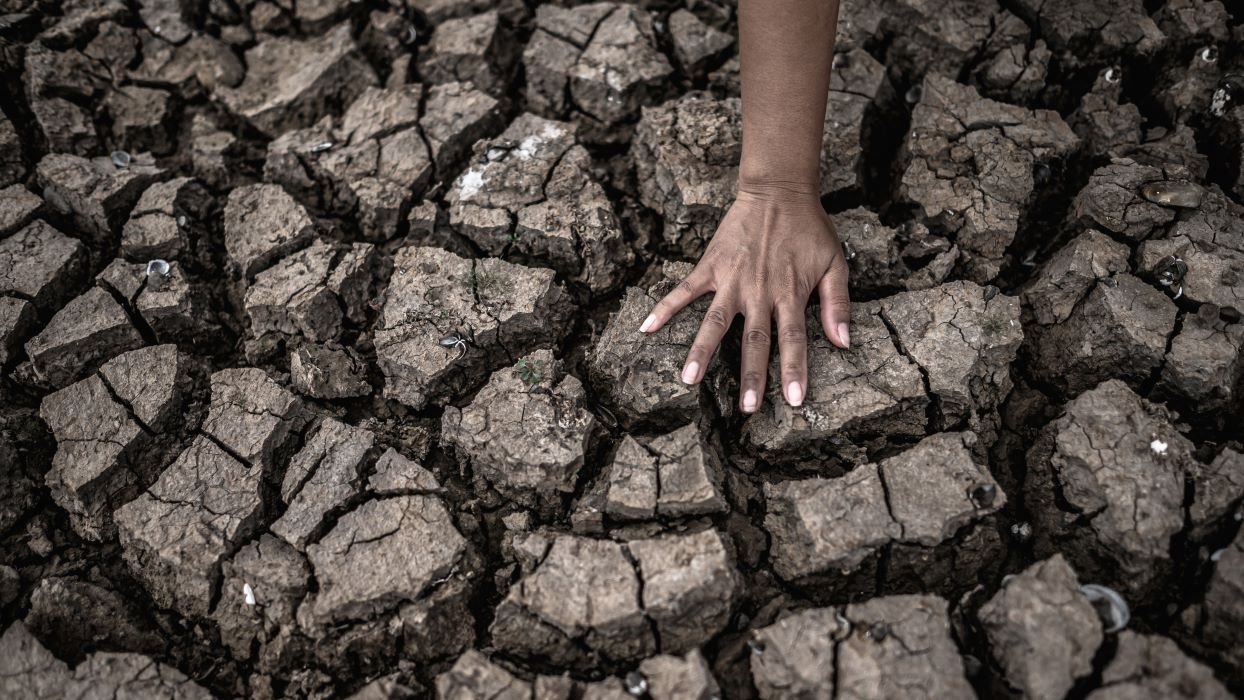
(1183, 195)
(1158, 447)
(1007, 579)
(182, 221)
(322, 146)
(1113, 74)
(411, 35)
(993, 326)
(455, 341)
(636, 684)
(1108, 281)
(1110, 606)
(248, 593)
(1030, 259)
(121, 159)
(879, 631)
(847, 251)
(494, 154)
(1170, 270)
(983, 495)
(1021, 531)
(1217, 555)
(1209, 54)
(914, 93)
(757, 646)
(532, 373)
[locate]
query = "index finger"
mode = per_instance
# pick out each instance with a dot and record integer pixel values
(694, 286)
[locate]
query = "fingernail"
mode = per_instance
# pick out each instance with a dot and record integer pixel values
(749, 401)
(690, 373)
(648, 323)
(844, 333)
(794, 394)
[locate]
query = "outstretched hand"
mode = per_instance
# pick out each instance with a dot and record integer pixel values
(772, 248)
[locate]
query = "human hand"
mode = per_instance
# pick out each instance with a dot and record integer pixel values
(772, 248)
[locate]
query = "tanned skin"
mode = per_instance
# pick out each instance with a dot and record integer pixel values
(775, 245)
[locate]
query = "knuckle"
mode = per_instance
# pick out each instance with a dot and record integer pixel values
(686, 287)
(793, 335)
(699, 351)
(752, 378)
(756, 338)
(715, 317)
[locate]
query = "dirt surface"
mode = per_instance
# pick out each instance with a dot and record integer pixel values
(320, 371)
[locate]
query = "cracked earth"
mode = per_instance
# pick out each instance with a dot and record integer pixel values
(320, 371)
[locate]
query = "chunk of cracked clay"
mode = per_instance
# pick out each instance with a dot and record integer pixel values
(583, 601)
(637, 374)
(924, 496)
(897, 646)
(969, 167)
(1042, 630)
(288, 81)
(870, 389)
(103, 426)
(530, 195)
(320, 478)
(1097, 486)
(381, 554)
(498, 309)
(526, 434)
(674, 475)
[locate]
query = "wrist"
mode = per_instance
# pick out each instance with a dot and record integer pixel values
(792, 191)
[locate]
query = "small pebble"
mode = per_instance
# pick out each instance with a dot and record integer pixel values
(121, 159)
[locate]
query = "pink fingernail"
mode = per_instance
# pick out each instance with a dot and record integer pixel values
(844, 334)
(749, 401)
(691, 373)
(794, 394)
(643, 328)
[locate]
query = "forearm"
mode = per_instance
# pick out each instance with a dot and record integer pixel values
(786, 49)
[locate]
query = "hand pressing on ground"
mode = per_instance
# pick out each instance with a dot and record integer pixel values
(774, 247)
(776, 244)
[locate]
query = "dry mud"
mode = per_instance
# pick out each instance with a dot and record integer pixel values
(321, 377)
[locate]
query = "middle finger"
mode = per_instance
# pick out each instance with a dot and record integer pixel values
(712, 329)
(754, 368)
